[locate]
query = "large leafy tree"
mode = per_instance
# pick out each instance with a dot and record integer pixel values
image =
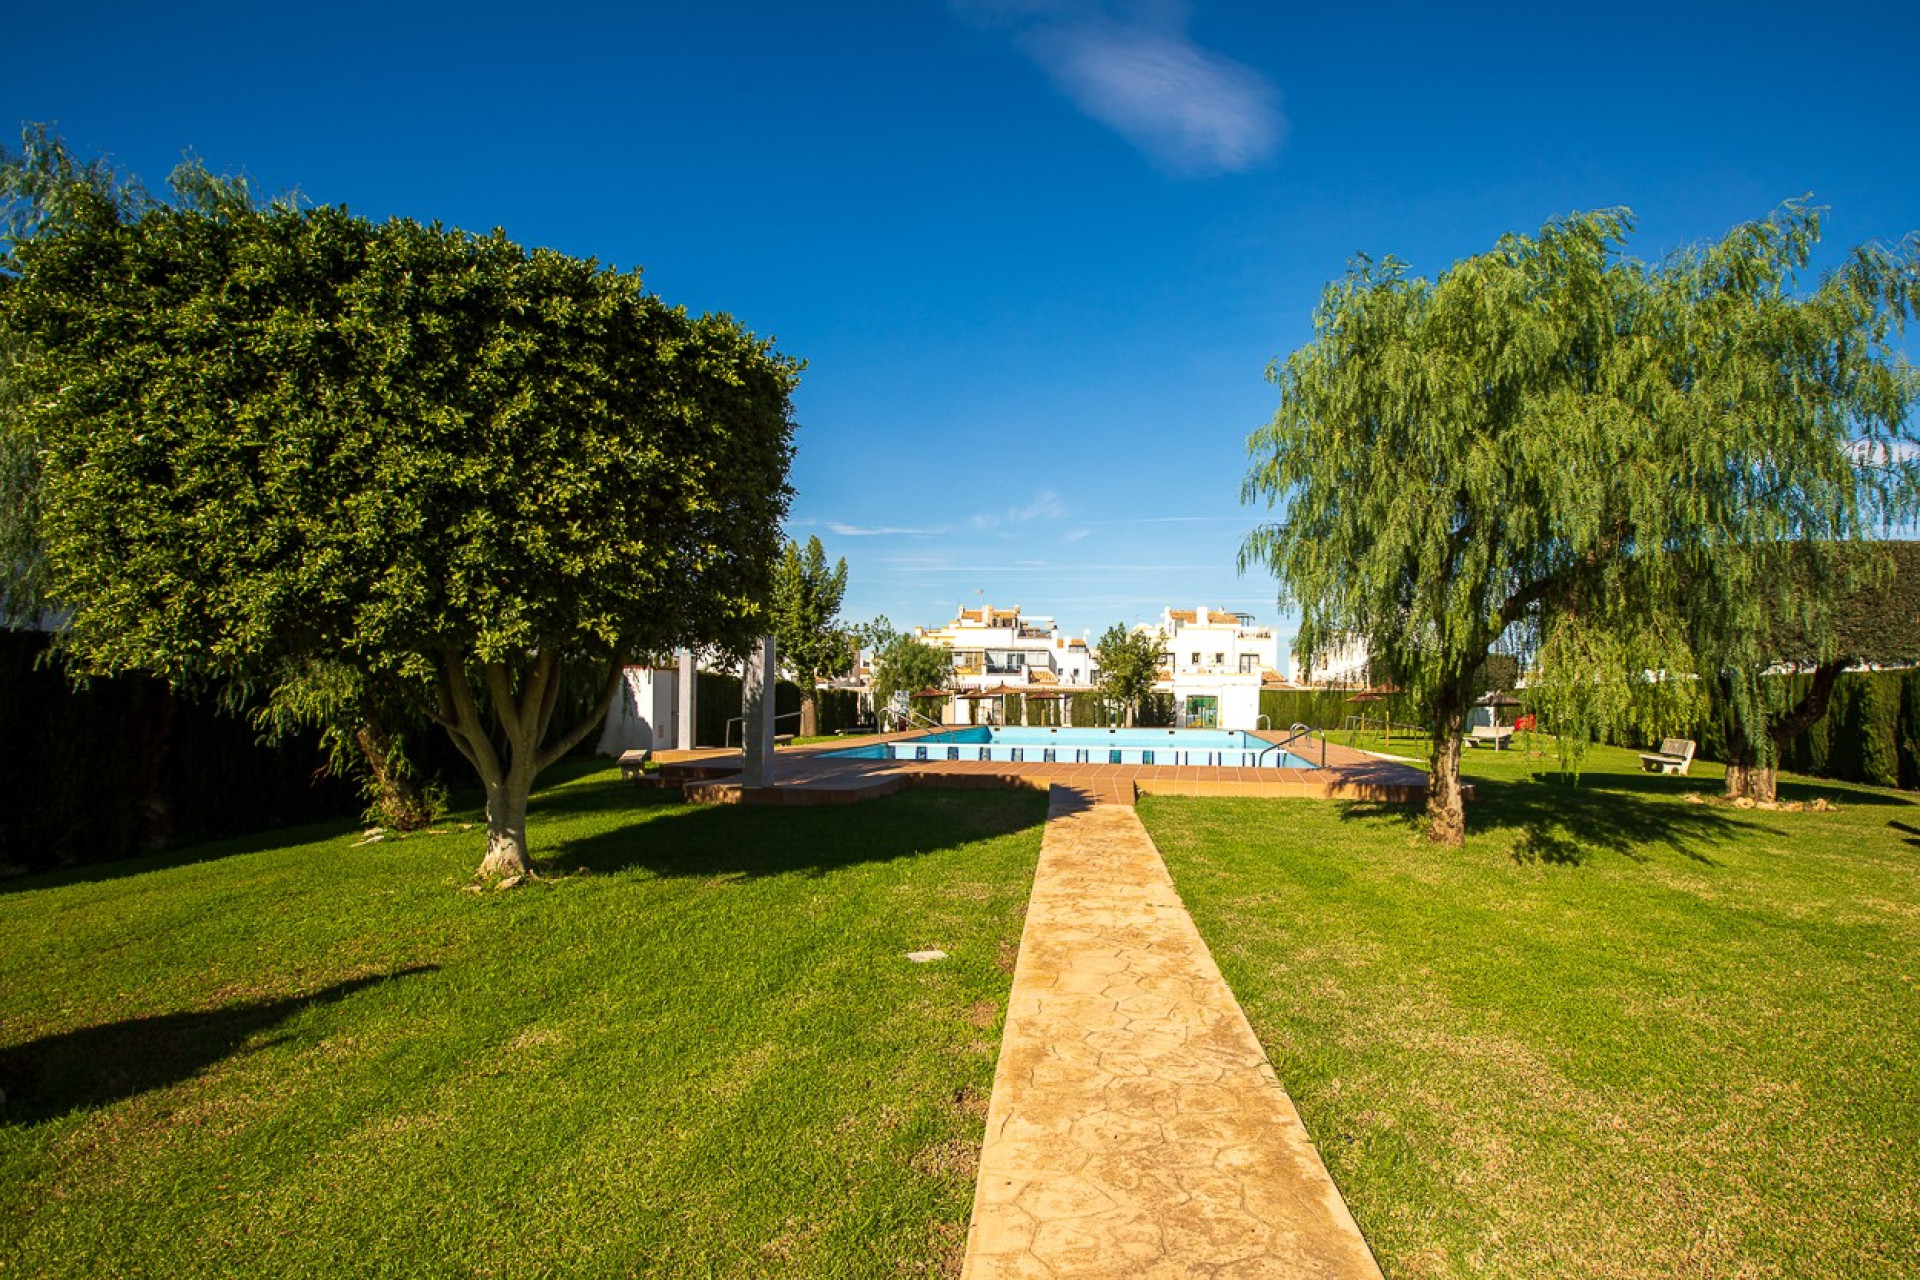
(814, 644)
(1130, 663)
(441, 461)
(1557, 440)
(365, 727)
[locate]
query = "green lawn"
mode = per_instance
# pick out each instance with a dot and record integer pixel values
(703, 1055)
(1618, 1035)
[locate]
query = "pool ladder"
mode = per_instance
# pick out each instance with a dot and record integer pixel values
(1298, 731)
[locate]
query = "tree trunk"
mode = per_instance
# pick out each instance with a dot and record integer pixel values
(1747, 776)
(397, 800)
(523, 721)
(1753, 781)
(1446, 808)
(809, 712)
(507, 827)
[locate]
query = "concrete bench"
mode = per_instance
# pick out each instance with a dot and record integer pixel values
(1489, 735)
(1674, 756)
(633, 764)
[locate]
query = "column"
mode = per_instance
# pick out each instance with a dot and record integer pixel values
(756, 698)
(683, 706)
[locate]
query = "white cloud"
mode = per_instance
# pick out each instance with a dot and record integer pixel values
(877, 531)
(1046, 505)
(1192, 112)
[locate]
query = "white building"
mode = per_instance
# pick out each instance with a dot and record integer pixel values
(1005, 649)
(1216, 662)
(644, 714)
(1341, 664)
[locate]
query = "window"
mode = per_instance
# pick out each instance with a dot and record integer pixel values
(1249, 663)
(1002, 662)
(1196, 660)
(1219, 659)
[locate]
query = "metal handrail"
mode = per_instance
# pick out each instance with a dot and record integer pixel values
(726, 733)
(1297, 732)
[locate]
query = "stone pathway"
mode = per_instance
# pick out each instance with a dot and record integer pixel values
(1136, 1128)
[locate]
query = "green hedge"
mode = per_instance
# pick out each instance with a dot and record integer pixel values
(1329, 708)
(716, 700)
(1870, 734)
(127, 765)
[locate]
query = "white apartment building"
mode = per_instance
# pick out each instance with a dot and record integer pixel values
(1341, 664)
(994, 647)
(1216, 663)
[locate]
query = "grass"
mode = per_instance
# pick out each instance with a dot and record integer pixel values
(1618, 1035)
(696, 1049)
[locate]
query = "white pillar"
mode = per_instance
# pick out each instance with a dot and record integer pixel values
(756, 698)
(683, 708)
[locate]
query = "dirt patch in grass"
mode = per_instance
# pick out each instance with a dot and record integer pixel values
(954, 1158)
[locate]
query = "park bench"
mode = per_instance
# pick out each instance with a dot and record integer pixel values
(1490, 735)
(1674, 756)
(633, 764)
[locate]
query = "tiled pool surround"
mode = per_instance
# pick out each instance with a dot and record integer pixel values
(1201, 748)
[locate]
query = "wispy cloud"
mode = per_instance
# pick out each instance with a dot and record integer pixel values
(1046, 505)
(1192, 112)
(1077, 534)
(881, 530)
(1178, 520)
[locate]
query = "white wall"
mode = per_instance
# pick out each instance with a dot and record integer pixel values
(643, 715)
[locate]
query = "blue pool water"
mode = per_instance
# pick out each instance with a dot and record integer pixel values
(1214, 748)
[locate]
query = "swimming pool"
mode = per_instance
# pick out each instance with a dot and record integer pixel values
(1209, 748)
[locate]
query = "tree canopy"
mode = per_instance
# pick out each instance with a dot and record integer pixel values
(907, 665)
(1556, 437)
(279, 435)
(814, 644)
(1130, 663)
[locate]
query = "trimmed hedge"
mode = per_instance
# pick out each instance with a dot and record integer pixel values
(1329, 708)
(1870, 734)
(126, 766)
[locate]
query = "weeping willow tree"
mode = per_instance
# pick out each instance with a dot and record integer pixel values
(1556, 435)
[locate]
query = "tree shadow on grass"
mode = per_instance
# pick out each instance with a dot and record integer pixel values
(97, 1066)
(1563, 822)
(675, 839)
(185, 856)
(1555, 821)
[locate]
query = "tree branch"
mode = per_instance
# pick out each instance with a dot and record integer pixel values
(615, 673)
(504, 705)
(1811, 706)
(468, 733)
(547, 673)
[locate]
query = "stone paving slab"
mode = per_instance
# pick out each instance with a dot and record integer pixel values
(1136, 1128)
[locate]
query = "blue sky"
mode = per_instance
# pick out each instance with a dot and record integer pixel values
(1038, 253)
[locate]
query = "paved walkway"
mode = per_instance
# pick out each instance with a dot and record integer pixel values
(1136, 1128)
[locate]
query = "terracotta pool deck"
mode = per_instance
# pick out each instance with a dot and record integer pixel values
(811, 775)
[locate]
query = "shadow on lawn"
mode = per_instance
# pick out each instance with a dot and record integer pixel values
(98, 1066)
(755, 840)
(1556, 821)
